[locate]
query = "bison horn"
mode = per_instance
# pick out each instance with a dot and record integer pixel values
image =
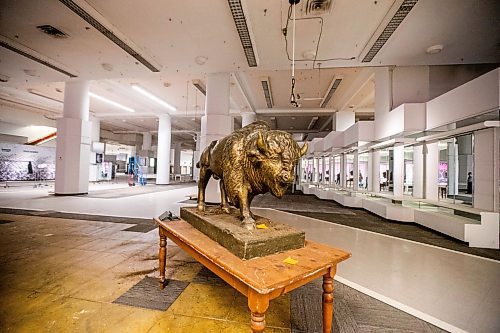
(261, 144)
(303, 150)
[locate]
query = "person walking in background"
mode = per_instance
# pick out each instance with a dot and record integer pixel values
(469, 183)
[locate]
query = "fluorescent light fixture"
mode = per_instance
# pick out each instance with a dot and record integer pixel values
(266, 87)
(153, 97)
(118, 105)
(392, 25)
(243, 32)
(199, 85)
(331, 89)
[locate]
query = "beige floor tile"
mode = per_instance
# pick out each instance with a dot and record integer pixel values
(204, 301)
(173, 323)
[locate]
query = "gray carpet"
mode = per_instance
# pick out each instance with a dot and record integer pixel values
(147, 294)
(141, 225)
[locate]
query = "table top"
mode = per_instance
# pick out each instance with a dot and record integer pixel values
(264, 274)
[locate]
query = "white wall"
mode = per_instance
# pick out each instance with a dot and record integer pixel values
(474, 97)
(445, 78)
(410, 85)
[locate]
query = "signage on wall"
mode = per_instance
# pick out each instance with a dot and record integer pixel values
(443, 173)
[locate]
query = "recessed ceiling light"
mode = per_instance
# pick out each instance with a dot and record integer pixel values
(291, 127)
(200, 60)
(434, 49)
(309, 54)
(293, 118)
(30, 72)
(107, 67)
(105, 100)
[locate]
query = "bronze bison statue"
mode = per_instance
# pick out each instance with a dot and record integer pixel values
(252, 160)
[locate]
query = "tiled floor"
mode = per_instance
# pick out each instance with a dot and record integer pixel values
(66, 275)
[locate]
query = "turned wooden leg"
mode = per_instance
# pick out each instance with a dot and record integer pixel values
(258, 305)
(163, 257)
(328, 300)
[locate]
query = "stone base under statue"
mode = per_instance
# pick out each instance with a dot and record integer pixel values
(226, 230)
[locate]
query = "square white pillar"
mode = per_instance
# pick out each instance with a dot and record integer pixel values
(72, 156)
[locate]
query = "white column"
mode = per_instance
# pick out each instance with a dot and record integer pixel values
(217, 123)
(418, 171)
(342, 120)
(247, 118)
(332, 170)
(323, 166)
(196, 158)
(398, 172)
(375, 171)
(484, 187)
(370, 174)
(355, 170)
(146, 141)
(452, 168)
(94, 137)
(73, 141)
(431, 151)
(163, 153)
(343, 176)
(177, 159)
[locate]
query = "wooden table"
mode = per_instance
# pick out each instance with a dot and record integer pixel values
(259, 279)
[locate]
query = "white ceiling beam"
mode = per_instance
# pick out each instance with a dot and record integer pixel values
(243, 91)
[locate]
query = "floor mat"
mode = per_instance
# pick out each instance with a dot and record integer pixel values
(147, 294)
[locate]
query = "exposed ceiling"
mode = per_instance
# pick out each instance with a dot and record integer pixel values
(182, 41)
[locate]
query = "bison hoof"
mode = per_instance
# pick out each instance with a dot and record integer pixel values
(201, 207)
(226, 209)
(248, 223)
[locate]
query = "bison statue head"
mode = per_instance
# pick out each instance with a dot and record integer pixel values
(274, 155)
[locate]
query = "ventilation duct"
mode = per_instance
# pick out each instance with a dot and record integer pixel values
(108, 33)
(52, 31)
(242, 28)
(35, 58)
(393, 24)
(331, 89)
(317, 7)
(266, 87)
(199, 85)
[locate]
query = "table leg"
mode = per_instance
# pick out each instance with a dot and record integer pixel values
(163, 258)
(328, 300)
(258, 305)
